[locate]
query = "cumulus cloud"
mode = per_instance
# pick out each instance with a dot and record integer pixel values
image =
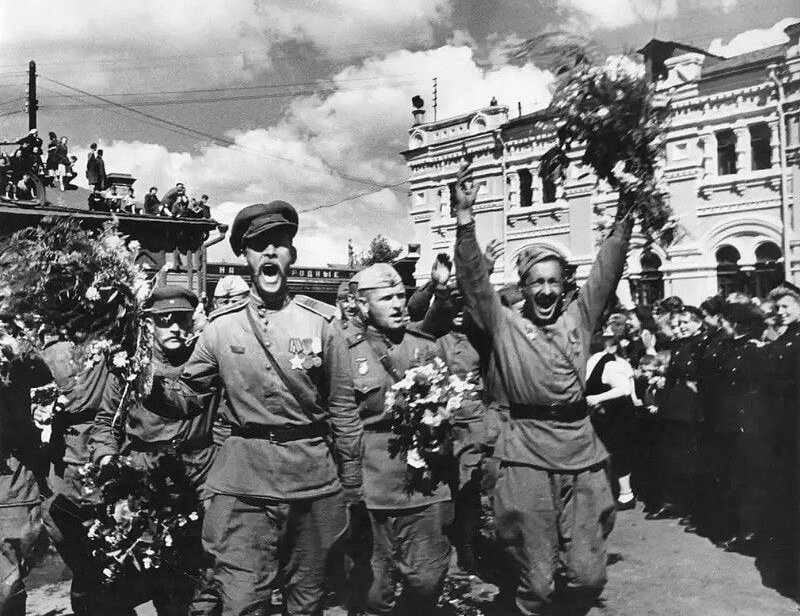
(185, 41)
(752, 40)
(312, 154)
(612, 14)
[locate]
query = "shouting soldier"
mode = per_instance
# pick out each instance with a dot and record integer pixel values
(552, 493)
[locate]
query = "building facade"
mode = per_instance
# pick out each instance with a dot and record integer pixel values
(732, 168)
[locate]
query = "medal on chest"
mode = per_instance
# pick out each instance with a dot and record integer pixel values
(305, 353)
(362, 365)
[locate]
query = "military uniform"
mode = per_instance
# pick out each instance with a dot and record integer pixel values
(470, 436)
(552, 492)
(63, 513)
(277, 506)
(408, 538)
(24, 467)
(146, 438)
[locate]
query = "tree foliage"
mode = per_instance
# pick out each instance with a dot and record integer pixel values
(380, 251)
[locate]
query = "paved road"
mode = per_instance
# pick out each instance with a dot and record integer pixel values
(657, 570)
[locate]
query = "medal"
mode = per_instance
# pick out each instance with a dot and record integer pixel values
(295, 347)
(311, 360)
(363, 366)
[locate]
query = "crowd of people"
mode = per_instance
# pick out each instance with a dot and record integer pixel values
(276, 406)
(19, 169)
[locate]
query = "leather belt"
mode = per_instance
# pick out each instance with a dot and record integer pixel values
(383, 425)
(169, 446)
(572, 411)
(282, 435)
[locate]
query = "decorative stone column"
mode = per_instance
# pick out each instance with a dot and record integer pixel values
(743, 153)
(774, 145)
(536, 187)
(708, 147)
(512, 188)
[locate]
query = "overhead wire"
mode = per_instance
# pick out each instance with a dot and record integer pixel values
(216, 138)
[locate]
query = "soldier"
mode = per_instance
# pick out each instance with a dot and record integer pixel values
(230, 290)
(346, 302)
(277, 505)
(148, 436)
(408, 539)
(64, 513)
(23, 468)
(470, 429)
(552, 492)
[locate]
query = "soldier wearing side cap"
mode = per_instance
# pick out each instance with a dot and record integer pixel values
(277, 504)
(552, 493)
(408, 539)
(147, 437)
(346, 302)
(230, 290)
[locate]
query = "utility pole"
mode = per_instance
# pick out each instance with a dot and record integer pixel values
(32, 104)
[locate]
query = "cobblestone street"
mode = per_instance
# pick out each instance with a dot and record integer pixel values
(657, 569)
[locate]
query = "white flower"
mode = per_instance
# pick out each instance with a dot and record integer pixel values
(431, 419)
(107, 572)
(193, 516)
(120, 359)
(168, 540)
(92, 294)
(414, 460)
(453, 404)
(147, 562)
(602, 112)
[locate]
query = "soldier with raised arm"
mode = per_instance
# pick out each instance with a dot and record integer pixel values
(552, 500)
(277, 503)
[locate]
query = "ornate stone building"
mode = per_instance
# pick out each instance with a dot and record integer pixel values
(732, 167)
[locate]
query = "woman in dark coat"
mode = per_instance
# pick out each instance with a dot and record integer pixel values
(783, 361)
(52, 156)
(743, 428)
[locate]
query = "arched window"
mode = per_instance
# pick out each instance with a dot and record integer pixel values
(729, 274)
(769, 270)
(649, 287)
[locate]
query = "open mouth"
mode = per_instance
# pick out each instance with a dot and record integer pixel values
(545, 301)
(270, 272)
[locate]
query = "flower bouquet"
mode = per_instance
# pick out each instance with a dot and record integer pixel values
(609, 110)
(422, 407)
(59, 281)
(145, 515)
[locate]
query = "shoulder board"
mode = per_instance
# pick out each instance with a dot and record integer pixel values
(228, 309)
(354, 337)
(415, 331)
(326, 311)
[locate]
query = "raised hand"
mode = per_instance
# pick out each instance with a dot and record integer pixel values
(494, 250)
(440, 273)
(465, 193)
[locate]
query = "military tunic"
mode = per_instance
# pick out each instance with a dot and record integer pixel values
(147, 434)
(407, 529)
(276, 507)
(546, 462)
(24, 466)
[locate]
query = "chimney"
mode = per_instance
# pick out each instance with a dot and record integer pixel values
(418, 110)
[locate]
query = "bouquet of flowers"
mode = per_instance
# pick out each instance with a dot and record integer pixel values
(610, 110)
(421, 407)
(144, 516)
(61, 281)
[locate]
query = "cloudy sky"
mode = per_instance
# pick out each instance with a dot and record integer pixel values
(308, 100)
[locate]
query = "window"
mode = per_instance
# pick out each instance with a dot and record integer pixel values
(552, 170)
(729, 276)
(726, 152)
(760, 149)
(769, 270)
(525, 188)
(649, 288)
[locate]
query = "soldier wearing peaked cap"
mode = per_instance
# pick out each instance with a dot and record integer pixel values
(408, 540)
(277, 505)
(550, 453)
(147, 436)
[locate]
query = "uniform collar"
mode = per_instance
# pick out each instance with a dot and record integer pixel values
(261, 307)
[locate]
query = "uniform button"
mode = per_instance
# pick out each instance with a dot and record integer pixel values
(268, 368)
